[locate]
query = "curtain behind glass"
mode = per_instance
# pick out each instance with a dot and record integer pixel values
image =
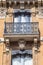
(21, 60)
(16, 61)
(22, 17)
(28, 61)
(27, 18)
(17, 19)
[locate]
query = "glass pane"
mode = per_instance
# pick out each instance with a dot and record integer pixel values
(22, 17)
(28, 61)
(22, 61)
(27, 18)
(17, 19)
(24, 58)
(16, 61)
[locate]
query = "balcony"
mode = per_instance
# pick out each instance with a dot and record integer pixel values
(21, 30)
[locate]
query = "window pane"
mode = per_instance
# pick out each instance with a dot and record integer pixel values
(28, 61)
(22, 17)
(16, 61)
(17, 19)
(27, 18)
(21, 60)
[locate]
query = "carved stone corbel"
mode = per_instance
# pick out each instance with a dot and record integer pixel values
(9, 2)
(28, 2)
(35, 40)
(7, 42)
(35, 44)
(15, 2)
(7, 45)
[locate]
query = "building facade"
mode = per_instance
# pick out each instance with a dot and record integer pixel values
(21, 32)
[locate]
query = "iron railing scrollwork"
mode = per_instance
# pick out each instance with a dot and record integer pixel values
(21, 27)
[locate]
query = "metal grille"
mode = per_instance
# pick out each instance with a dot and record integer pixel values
(21, 28)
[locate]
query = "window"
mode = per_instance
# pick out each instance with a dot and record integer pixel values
(22, 58)
(22, 16)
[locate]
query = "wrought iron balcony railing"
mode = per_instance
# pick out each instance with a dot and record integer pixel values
(21, 28)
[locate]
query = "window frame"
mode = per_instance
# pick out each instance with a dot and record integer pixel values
(23, 11)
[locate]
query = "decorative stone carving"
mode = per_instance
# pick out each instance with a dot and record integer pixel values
(21, 44)
(28, 2)
(7, 49)
(3, 12)
(35, 40)
(1, 40)
(7, 40)
(7, 45)
(35, 44)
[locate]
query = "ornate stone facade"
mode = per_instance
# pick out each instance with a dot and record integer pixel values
(28, 35)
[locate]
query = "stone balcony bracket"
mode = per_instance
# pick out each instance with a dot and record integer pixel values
(36, 49)
(7, 42)
(35, 40)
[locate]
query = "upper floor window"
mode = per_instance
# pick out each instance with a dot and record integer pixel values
(22, 16)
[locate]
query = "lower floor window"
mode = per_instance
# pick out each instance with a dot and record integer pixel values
(22, 59)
